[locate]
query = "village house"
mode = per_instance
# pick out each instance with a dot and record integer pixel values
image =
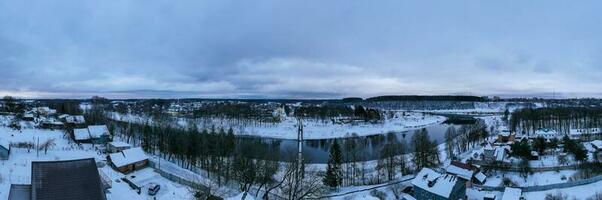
(99, 134)
(75, 120)
(115, 147)
(495, 154)
(432, 185)
(46, 111)
(72, 179)
(470, 173)
(81, 135)
(4, 149)
(129, 160)
(51, 123)
(505, 136)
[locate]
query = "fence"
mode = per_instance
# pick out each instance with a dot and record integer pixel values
(550, 186)
(516, 168)
(178, 179)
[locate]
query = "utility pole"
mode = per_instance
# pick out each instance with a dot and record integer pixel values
(300, 172)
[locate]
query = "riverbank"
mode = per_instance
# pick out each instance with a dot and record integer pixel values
(313, 129)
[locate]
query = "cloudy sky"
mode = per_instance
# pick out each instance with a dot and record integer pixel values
(298, 49)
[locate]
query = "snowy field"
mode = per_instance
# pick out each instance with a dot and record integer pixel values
(534, 179)
(317, 129)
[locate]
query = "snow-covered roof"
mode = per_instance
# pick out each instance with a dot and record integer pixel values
(98, 130)
(505, 133)
(481, 177)
(434, 182)
(79, 119)
(460, 171)
(534, 153)
(119, 144)
(577, 132)
(63, 116)
(500, 153)
(128, 156)
(597, 144)
(5, 144)
(511, 194)
(546, 132)
(81, 134)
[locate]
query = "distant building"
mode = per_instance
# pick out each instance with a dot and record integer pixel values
(497, 153)
(51, 123)
(505, 136)
(72, 179)
(4, 149)
(75, 120)
(129, 160)
(548, 134)
(432, 185)
(28, 117)
(512, 194)
(45, 111)
(115, 147)
(585, 133)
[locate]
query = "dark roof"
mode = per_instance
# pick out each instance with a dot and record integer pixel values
(464, 165)
(66, 180)
(19, 192)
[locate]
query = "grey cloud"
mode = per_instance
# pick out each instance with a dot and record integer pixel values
(295, 48)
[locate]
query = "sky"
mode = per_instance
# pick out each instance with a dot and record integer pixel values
(298, 49)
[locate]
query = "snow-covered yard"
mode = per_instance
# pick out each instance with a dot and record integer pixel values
(537, 178)
(17, 169)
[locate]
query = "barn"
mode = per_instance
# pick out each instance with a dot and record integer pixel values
(129, 160)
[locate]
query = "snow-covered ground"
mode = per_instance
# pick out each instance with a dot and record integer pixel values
(537, 178)
(578, 192)
(318, 129)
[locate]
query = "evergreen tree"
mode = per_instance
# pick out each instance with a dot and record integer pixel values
(333, 177)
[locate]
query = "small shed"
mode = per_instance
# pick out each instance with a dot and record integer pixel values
(4, 149)
(129, 160)
(115, 147)
(81, 135)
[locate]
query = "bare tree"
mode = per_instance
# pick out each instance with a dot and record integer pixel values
(48, 144)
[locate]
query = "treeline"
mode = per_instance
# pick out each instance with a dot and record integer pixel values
(426, 98)
(560, 119)
(70, 107)
(215, 150)
(236, 110)
(419, 105)
(329, 111)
